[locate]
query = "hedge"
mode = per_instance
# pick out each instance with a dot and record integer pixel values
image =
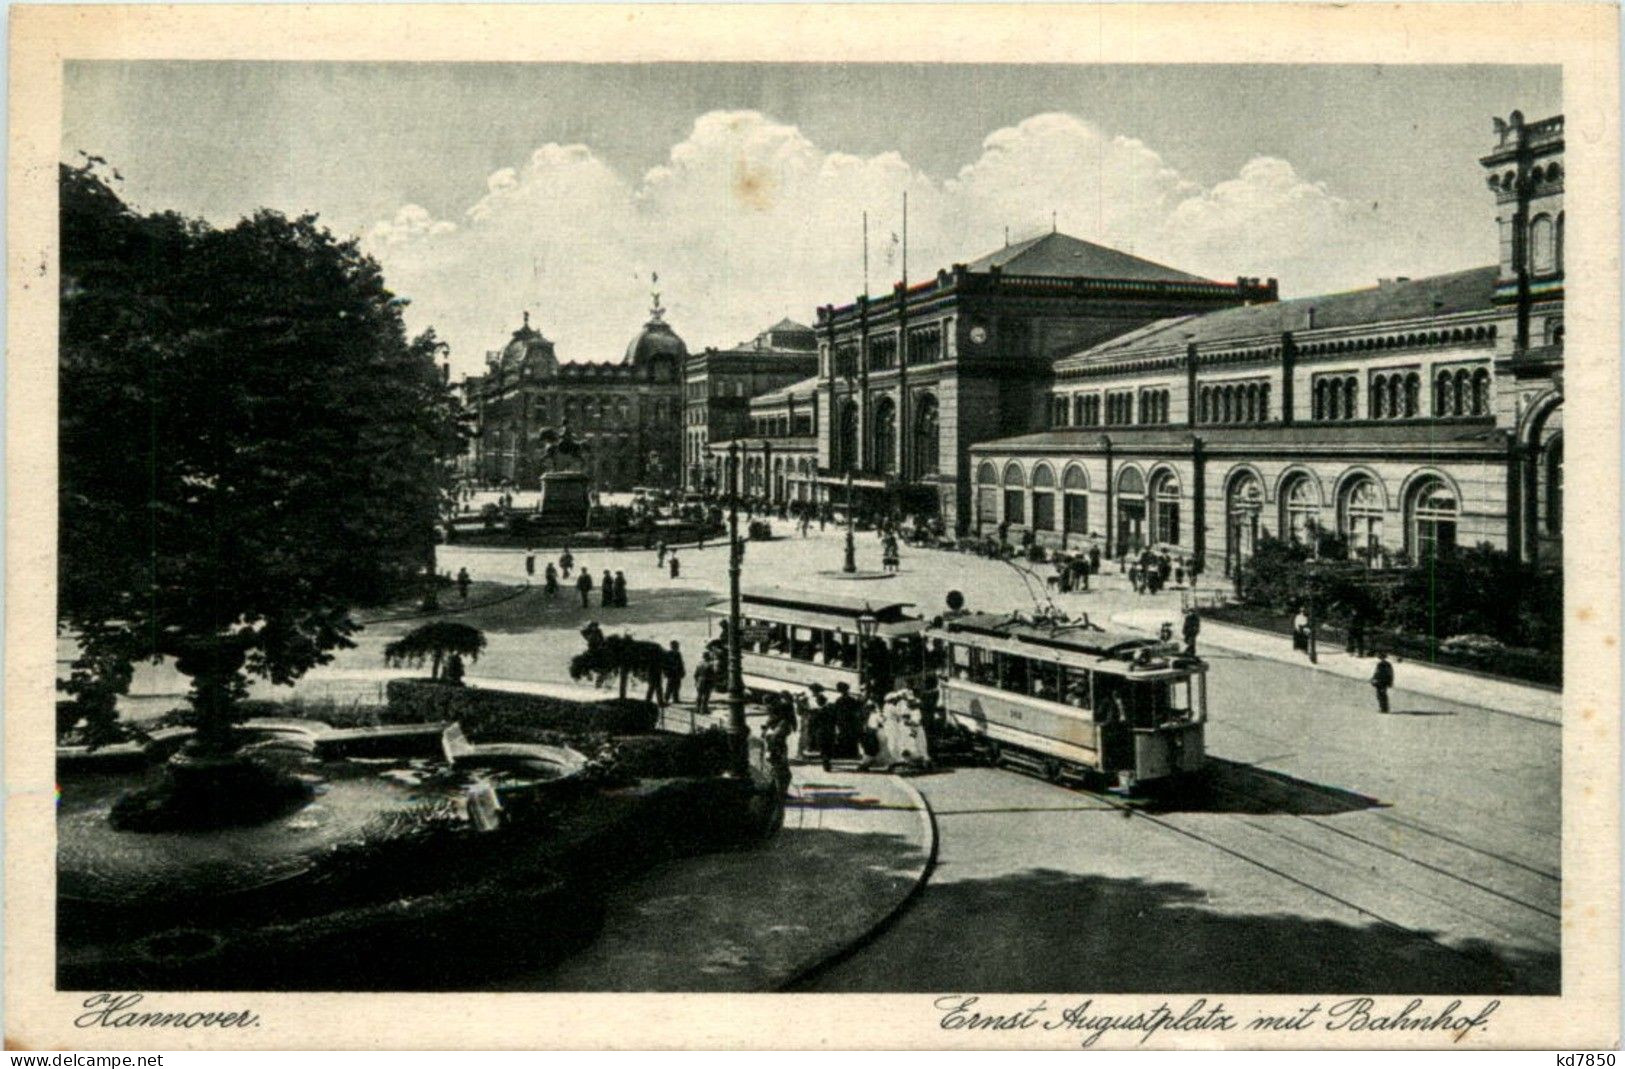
(500, 713)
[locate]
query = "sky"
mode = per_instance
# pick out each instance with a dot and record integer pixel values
(486, 190)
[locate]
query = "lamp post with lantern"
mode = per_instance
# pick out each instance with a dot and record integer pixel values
(868, 624)
(738, 750)
(850, 565)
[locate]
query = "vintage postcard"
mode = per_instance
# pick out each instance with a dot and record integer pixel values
(1045, 525)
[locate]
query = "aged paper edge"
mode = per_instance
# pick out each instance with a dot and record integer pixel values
(1582, 38)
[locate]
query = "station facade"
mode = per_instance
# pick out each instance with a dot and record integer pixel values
(1047, 388)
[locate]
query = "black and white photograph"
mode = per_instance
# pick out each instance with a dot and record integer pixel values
(964, 530)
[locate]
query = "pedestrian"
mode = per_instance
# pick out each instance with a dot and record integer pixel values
(454, 670)
(1300, 631)
(583, 586)
(781, 721)
(1382, 678)
(566, 562)
(550, 582)
(620, 589)
(463, 582)
(824, 716)
(655, 672)
(606, 591)
(674, 566)
(660, 554)
(674, 672)
(1179, 572)
(530, 564)
(803, 711)
(1191, 628)
(1094, 559)
(876, 740)
(704, 678)
(1356, 642)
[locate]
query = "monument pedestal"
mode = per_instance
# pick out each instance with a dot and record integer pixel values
(563, 505)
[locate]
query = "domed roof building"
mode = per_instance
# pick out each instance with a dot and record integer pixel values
(528, 351)
(626, 415)
(655, 340)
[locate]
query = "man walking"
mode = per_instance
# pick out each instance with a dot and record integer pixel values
(1382, 678)
(550, 582)
(1192, 627)
(674, 671)
(566, 562)
(463, 583)
(660, 554)
(620, 590)
(606, 591)
(583, 585)
(675, 568)
(1356, 641)
(704, 672)
(530, 564)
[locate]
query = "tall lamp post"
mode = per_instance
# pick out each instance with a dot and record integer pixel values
(867, 625)
(738, 749)
(850, 565)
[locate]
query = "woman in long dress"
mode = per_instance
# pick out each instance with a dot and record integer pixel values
(878, 729)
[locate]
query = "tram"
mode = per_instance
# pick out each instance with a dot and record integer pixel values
(792, 639)
(1071, 701)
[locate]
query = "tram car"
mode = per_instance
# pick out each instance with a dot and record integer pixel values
(1071, 701)
(792, 639)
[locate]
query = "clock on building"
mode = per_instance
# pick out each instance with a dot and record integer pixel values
(978, 334)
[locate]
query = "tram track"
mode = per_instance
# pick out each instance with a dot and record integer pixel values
(1438, 894)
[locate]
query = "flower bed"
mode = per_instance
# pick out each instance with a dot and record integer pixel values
(501, 713)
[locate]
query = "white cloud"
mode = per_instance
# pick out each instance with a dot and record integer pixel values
(748, 220)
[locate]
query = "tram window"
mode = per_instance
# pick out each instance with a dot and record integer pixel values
(959, 661)
(984, 667)
(1110, 702)
(1179, 700)
(1045, 679)
(1013, 673)
(1075, 687)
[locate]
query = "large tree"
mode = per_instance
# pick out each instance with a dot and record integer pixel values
(250, 444)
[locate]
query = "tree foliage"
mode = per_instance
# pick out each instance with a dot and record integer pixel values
(250, 445)
(618, 657)
(434, 642)
(1475, 590)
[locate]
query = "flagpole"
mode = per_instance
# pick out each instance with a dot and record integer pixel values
(866, 254)
(905, 239)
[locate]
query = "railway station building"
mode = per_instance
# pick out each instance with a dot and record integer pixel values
(1094, 398)
(1415, 414)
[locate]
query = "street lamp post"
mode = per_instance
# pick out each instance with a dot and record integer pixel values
(738, 750)
(1314, 623)
(850, 565)
(867, 625)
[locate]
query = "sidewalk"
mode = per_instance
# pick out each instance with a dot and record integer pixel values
(853, 850)
(1494, 694)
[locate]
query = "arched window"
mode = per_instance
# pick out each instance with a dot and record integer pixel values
(1461, 395)
(927, 436)
(1014, 496)
(1441, 394)
(1396, 399)
(1350, 397)
(1433, 516)
(987, 492)
(1165, 508)
(1481, 392)
(1361, 515)
(1075, 487)
(1243, 504)
(1264, 402)
(1413, 394)
(885, 440)
(1379, 396)
(1334, 401)
(1320, 399)
(1130, 511)
(1300, 510)
(1043, 498)
(1077, 409)
(1542, 245)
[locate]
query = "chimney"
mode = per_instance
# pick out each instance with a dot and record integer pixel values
(1311, 325)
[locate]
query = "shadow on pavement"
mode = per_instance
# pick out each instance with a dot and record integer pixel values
(532, 610)
(1232, 787)
(1138, 936)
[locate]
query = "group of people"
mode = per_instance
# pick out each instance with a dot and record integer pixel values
(1152, 571)
(878, 735)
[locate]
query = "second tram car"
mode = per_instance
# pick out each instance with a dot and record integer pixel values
(1072, 701)
(794, 639)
